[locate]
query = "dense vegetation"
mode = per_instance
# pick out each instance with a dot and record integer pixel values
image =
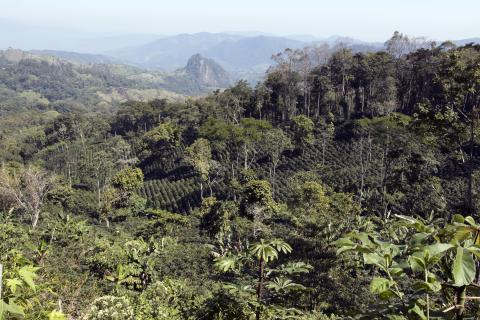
(343, 186)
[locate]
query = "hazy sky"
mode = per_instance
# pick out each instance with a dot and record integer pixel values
(372, 20)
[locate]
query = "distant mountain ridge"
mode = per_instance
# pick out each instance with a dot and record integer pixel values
(244, 55)
(232, 52)
(76, 57)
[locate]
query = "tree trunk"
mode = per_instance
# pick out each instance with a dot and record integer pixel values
(323, 149)
(260, 288)
(98, 194)
(461, 297)
(36, 215)
(245, 154)
(273, 180)
(210, 183)
(470, 167)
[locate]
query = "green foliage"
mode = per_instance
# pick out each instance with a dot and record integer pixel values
(302, 127)
(258, 192)
(125, 264)
(264, 253)
(57, 315)
(453, 261)
(110, 308)
(199, 155)
(389, 148)
(168, 299)
(20, 287)
(128, 180)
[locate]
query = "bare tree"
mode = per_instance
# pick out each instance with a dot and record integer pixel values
(26, 191)
(399, 45)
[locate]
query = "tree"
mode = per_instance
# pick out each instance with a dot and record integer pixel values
(341, 68)
(26, 190)
(237, 99)
(98, 171)
(123, 152)
(302, 127)
(266, 252)
(275, 142)
(128, 181)
(399, 45)
(199, 156)
(251, 133)
(263, 253)
(120, 197)
(327, 134)
(282, 81)
(257, 203)
(161, 140)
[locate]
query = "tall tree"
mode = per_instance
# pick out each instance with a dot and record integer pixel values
(275, 142)
(302, 127)
(199, 156)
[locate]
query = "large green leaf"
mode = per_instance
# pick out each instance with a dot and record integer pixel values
(28, 275)
(375, 259)
(10, 307)
(417, 263)
(431, 285)
(438, 248)
(470, 221)
(382, 287)
(12, 284)
(418, 312)
(463, 268)
(379, 285)
(226, 263)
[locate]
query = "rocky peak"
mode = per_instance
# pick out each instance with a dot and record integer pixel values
(207, 72)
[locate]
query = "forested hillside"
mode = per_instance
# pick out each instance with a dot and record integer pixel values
(343, 186)
(43, 82)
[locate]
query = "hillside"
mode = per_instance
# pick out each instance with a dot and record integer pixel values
(344, 185)
(42, 80)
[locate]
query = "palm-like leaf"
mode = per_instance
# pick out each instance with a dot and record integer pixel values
(281, 246)
(268, 251)
(226, 263)
(238, 289)
(295, 268)
(282, 285)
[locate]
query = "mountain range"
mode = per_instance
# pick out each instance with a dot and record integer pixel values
(241, 55)
(40, 81)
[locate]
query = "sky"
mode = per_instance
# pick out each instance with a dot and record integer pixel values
(369, 20)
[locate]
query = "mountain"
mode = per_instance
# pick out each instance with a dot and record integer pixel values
(463, 42)
(32, 81)
(170, 53)
(251, 52)
(41, 82)
(231, 51)
(241, 55)
(206, 72)
(76, 57)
